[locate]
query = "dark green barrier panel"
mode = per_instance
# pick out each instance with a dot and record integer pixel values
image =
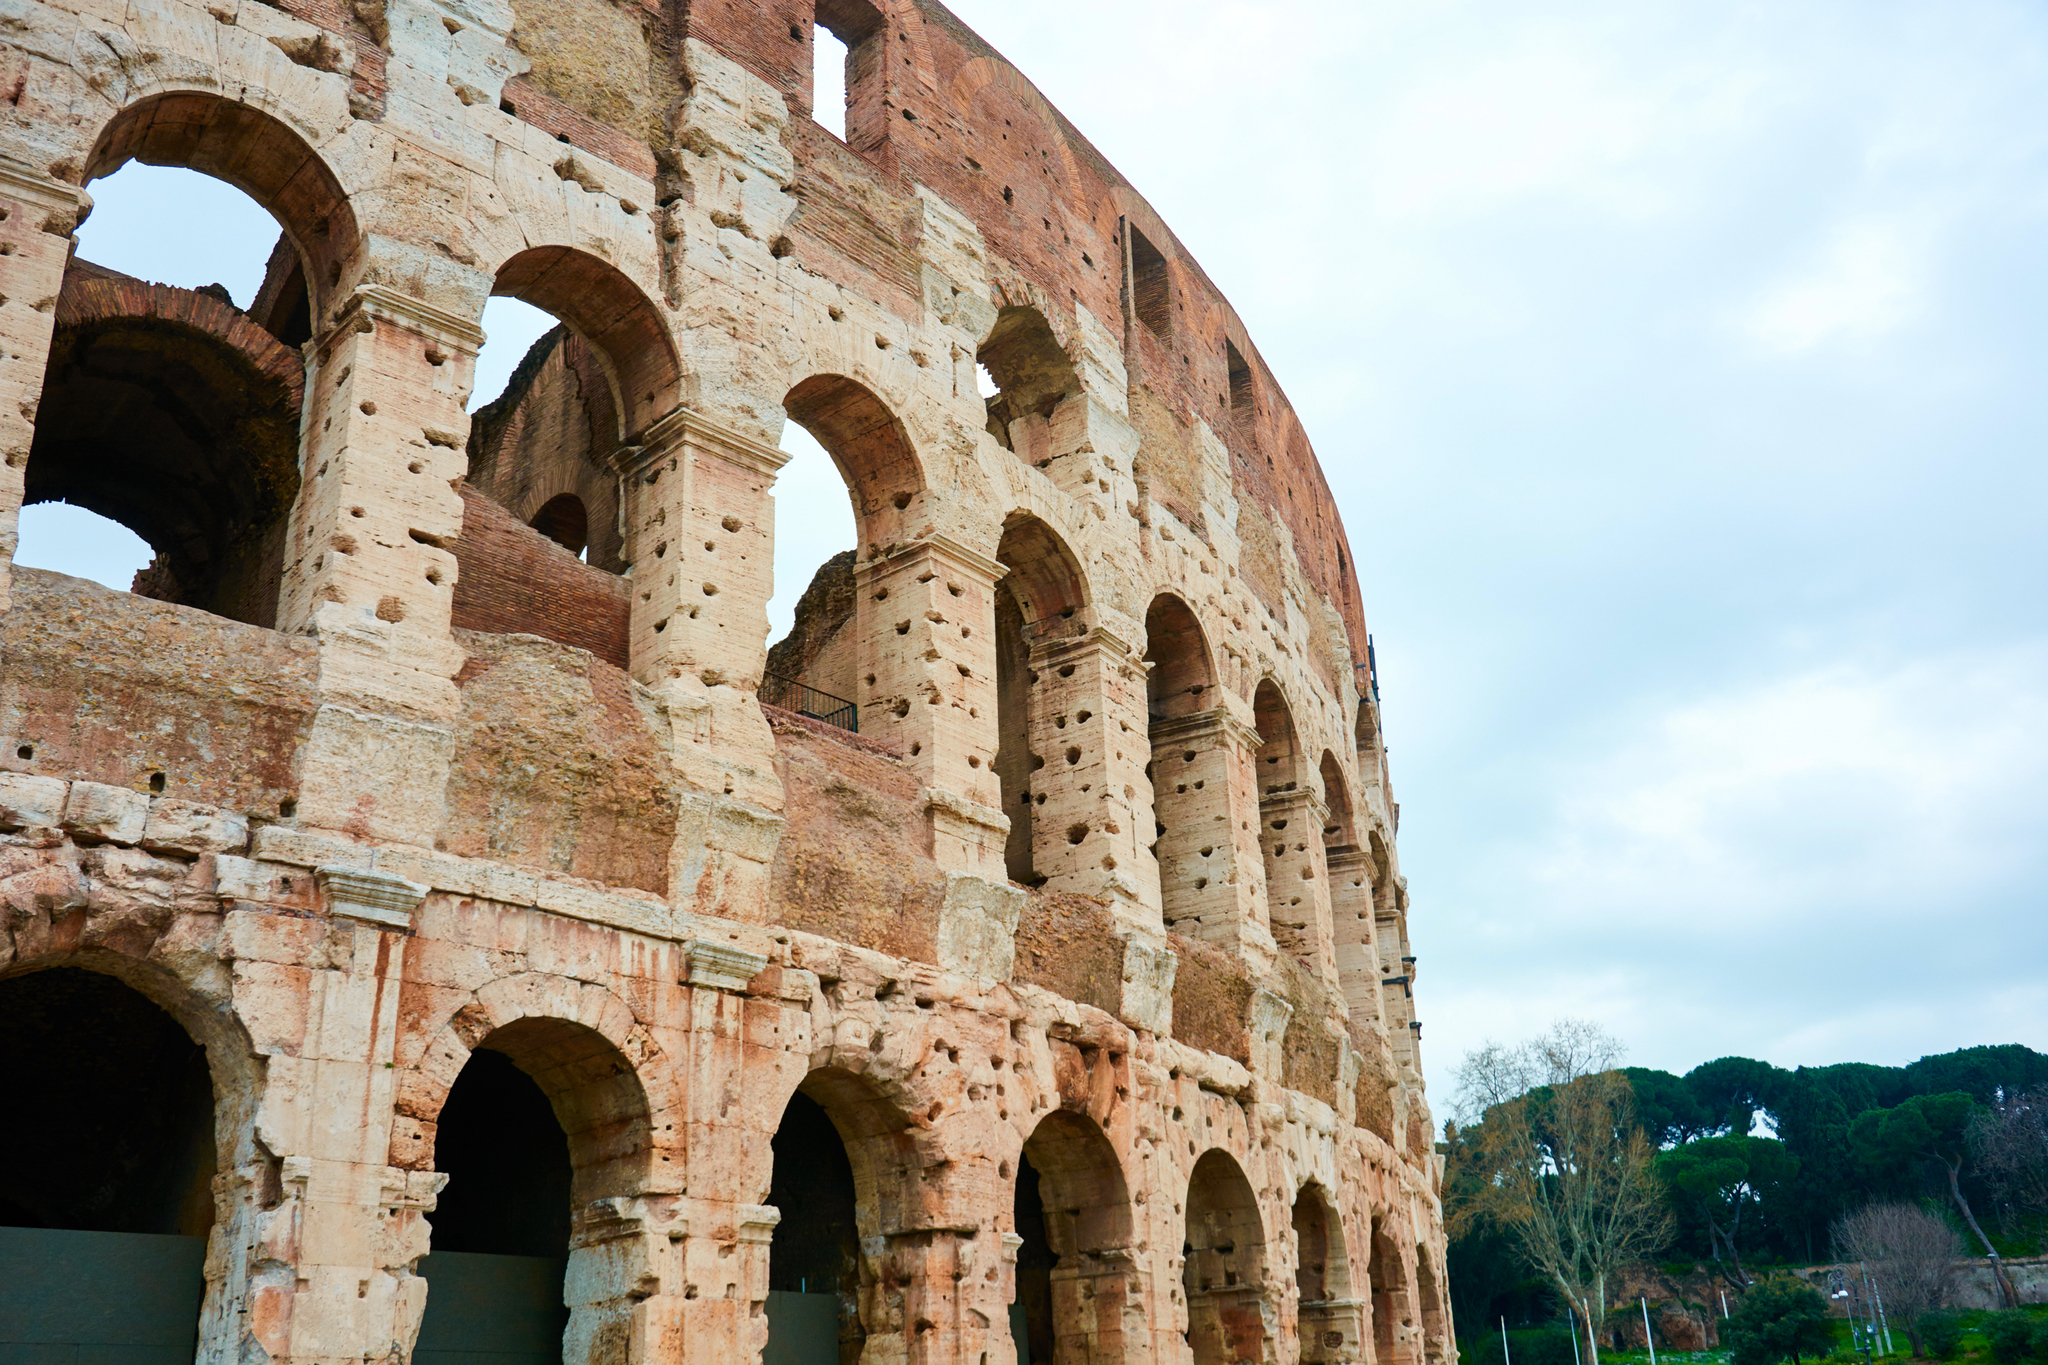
(1020, 1333)
(803, 1329)
(99, 1298)
(491, 1310)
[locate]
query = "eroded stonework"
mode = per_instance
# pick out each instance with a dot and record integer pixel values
(1041, 892)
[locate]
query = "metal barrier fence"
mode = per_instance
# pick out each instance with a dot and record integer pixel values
(805, 700)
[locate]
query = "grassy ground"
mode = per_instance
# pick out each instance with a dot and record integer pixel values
(1975, 1349)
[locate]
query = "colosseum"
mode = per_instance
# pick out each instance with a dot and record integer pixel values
(438, 927)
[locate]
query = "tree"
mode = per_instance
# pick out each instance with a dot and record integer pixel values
(1719, 1178)
(1909, 1252)
(1667, 1107)
(1923, 1127)
(1779, 1319)
(1556, 1159)
(2009, 1142)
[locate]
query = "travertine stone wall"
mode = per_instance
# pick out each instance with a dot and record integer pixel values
(1105, 882)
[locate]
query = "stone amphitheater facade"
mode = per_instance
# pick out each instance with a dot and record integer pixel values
(428, 861)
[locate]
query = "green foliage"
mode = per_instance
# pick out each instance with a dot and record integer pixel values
(2016, 1336)
(1779, 1319)
(1942, 1335)
(1534, 1346)
(1889, 1142)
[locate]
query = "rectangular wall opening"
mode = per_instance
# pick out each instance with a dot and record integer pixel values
(1151, 287)
(1242, 407)
(828, 81)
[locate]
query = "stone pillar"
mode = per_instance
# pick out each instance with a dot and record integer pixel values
(1297, 879)
(1333, 1332)
(699, 546)
(941, 1297)
(1092, 825)
(1095, 1310)
(925, 617)
(333, 1278)
(1351, 925)
(1211, 873)
(370, 568)
(37, 215)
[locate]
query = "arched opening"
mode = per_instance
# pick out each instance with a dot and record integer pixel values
(1041, 592)
(106, 1171)
(171, 413)
(563, 520)
(1190, 784)
(1327, 1316)
(1073, 1210)
(1389, 1305)
(543, 539)
(171, 398)
(1279, 759)
(834, 1148)
(1390, 933)
(1033, 377)
(851, 477)
(1224, 1255)
(545, 1117)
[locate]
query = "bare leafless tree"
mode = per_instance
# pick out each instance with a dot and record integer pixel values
(1909, 1252)
(2009, 1142)
(1559, 1160)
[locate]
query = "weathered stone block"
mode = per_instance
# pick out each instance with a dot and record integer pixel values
(27, 801)
(185, 827)
(97, 811)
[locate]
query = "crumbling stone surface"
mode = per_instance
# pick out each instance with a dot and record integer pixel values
(1077, 938)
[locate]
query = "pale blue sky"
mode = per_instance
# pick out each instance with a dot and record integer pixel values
(1678, 369)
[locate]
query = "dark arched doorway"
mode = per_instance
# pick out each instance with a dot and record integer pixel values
(106, 1173)
(814, 1257)
(1074, 1274)
(501, 1225)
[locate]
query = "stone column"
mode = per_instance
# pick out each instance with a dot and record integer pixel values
(333, 1276)
(699, 547)
(1092, 822)
(924, 614)
(1297, 879)
(1351, 924)
(941, 1297)
(37, 215)
(1333, 1332)
(1095, 1310)
(1211, 874)
(370, 570)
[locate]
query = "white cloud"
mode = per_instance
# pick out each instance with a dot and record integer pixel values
(1865, 284)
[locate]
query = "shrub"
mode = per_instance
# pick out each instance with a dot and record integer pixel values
(1941, 1334)
(2011, 1335)
(1782, 1318)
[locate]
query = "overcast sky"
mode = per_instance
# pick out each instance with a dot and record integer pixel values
(1679, 371)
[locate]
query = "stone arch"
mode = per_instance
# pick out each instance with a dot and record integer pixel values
(884, 475)
(1340, 830)
(1042, 590)
(1223, 1273)
(579, 1045)
(174, 414)
(1278, 762)
(1074, 1271)
(1191, 751)
(845, 1173)
(1034, 377)
(215, 1166)
(586, 1050)
(1327, 1315)
(602, 306)
(258, 154)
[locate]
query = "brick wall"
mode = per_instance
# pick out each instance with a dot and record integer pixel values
(514, 580)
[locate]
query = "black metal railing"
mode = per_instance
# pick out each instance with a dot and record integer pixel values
(805, 700)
